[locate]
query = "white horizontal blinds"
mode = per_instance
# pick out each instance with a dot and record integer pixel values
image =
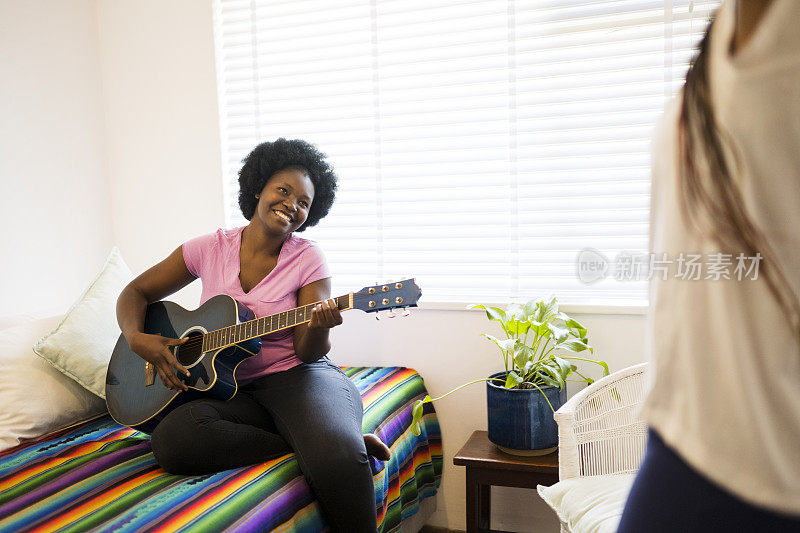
(446, 171)
(305, 70)
(480, 145)
(318, 85)
(238, 94)
(591, 80)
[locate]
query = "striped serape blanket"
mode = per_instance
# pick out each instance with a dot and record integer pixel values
(101, 476)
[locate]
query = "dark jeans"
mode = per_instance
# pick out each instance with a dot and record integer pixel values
(668, 496)
(311, 409)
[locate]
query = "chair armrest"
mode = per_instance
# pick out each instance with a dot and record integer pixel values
(599, 429)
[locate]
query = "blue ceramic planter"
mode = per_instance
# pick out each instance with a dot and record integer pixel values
(520, 421)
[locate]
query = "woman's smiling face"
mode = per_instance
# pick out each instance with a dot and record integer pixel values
(285, 200)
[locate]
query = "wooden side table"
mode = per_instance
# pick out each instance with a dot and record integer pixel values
(487, 465)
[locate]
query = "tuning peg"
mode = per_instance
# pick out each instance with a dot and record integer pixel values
(391, 313)
(405, 311)
(378, 315)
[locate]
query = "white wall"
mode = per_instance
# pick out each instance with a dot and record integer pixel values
(156, 64)
(53, 187)
(162, 125)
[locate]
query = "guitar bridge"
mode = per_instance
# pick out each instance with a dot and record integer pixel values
(149, 374)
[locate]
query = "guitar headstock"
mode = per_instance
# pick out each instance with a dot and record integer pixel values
(392, 295)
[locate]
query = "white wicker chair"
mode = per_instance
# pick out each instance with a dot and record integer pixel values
(599, 429)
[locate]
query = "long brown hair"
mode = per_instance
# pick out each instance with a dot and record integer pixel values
(709, 192)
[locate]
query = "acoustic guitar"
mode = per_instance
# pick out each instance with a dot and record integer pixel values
(222, 333)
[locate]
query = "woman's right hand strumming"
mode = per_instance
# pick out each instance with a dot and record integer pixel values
(154, 284)
(155, 349)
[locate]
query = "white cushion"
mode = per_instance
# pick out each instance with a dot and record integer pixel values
(81, 345)
(35, 398)
(591, 504)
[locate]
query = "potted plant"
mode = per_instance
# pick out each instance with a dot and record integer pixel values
(522, 398)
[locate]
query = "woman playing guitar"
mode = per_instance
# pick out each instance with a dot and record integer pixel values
(291, 397)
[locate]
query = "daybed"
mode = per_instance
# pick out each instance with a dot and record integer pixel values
(601, 442)
(102, 476)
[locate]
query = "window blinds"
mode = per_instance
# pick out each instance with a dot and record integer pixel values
(480, 145)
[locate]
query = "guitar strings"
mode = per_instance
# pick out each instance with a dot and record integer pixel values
(196, 341)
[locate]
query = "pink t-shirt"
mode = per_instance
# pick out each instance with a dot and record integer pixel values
(214, 258)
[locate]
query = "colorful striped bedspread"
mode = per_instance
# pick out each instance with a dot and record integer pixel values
(102, 476)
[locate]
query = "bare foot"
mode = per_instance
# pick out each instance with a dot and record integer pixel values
(376, 447)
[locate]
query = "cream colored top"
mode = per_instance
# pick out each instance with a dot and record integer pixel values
(726, 368)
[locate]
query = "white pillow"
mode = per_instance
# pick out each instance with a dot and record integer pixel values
(81, 345)
(35, 398)
(591, 504)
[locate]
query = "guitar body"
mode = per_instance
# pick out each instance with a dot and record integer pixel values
(222, 333)
(134, 404)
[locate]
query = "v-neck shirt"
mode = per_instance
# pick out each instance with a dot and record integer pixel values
(214, 258)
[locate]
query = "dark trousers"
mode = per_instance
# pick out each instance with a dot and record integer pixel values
(311, 409)
(670, 496)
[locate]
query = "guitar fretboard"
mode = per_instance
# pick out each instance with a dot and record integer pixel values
(214, 340)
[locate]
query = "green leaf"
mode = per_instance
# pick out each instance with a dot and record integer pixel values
(492, 313)
(580, 329)
(512, 380)
(530, 309)
(528, 368)
(554, 373)
(508, 345)
(540, 329)
(517, 328)
(546, 309)
(564, 366)
(496, 311)
(504, 344)
(491, 337)
(416, 415)
(559, 334)
(575, 345)
(601, 363)
(523, 354)
(549, 380)
(516, 312)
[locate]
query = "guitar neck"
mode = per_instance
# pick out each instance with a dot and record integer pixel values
(214, 340)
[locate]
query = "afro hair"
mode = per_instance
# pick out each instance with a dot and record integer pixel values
(270, 157)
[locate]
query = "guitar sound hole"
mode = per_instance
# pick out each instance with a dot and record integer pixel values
(190, 352)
